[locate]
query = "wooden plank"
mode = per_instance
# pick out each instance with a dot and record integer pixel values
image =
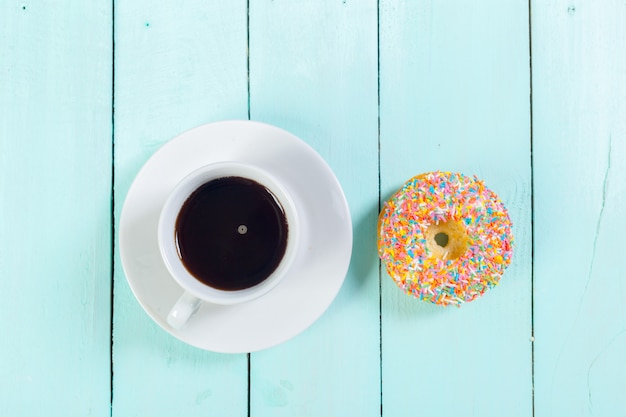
(579, 130)
(55, 193)
(313, 72)
(454, 88)
(175, 68)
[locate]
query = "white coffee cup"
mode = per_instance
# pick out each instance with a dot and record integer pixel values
(197, 291)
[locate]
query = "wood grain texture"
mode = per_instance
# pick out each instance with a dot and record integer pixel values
(454, 88)
(579, 130)
(176, 66)
(313, 71)
(454, 95)
(55, 193)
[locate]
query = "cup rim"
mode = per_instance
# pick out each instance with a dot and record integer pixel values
(167, 223)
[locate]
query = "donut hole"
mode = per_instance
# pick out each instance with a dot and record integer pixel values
(441, 239)
(447, 240)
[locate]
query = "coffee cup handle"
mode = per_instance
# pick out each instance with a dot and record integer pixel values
(184, 308)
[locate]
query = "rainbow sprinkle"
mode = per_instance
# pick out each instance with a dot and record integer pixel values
(436, 197)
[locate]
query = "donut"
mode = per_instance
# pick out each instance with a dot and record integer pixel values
(445, 238)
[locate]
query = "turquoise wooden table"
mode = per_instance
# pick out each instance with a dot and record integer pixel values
(531, 97)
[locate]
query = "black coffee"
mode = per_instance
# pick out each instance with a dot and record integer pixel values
(231, 233)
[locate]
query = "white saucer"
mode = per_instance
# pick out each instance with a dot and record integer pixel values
(316, 274)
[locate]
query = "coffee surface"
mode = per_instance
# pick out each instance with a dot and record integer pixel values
(231, 233)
